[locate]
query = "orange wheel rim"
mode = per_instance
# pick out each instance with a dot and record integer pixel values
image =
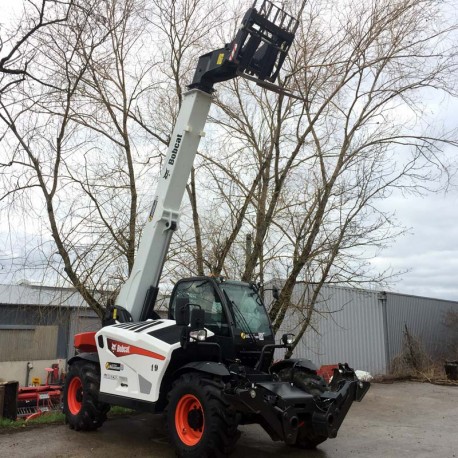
(189, 420)
(75, 396)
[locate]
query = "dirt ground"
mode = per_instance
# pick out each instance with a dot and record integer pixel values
(396, 420)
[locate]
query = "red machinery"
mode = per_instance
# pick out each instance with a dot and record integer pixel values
(33, 401)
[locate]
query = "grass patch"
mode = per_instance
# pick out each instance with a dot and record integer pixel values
(6, 423)
(46, 418)
(117, 410)
(49, 418)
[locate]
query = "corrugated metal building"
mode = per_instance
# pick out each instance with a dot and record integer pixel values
(366, 328)
(37, 325)
(361, 327)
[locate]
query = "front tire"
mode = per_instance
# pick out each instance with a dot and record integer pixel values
(200, 423)
(82, 409)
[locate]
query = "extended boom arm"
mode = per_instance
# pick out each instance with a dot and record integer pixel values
(259, 49)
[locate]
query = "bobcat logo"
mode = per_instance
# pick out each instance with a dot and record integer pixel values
(119, 348)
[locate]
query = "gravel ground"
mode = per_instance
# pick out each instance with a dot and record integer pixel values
(394, 420)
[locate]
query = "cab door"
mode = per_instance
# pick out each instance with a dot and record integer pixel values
(203, 293)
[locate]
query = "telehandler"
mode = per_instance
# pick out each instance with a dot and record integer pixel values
(209, 367)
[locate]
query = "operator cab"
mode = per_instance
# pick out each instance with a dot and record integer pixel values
(234, 312)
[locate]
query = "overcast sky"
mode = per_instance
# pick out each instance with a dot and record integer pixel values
(429, 251)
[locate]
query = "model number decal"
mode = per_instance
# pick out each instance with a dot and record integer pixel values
(110, 377)
(123, 349)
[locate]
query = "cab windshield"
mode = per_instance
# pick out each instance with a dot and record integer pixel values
(249, 313)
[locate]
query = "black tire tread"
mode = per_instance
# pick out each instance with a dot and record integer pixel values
(93, 413)
(221, 433)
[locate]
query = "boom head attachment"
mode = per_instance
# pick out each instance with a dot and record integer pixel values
(259, 48)
(261, 45)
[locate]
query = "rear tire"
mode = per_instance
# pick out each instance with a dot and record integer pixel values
(82, 409)
(200, 423)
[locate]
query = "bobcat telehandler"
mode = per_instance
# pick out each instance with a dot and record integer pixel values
(209, 366)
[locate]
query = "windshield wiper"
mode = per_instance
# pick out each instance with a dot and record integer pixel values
(255, 289)
(242, 318)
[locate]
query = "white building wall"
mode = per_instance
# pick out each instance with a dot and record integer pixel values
(17, 370)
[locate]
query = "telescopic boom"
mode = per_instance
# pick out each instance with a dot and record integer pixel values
(258, 50)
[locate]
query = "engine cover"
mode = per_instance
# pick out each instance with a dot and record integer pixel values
(134, 357)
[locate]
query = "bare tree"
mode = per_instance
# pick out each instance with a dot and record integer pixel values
(321, 163)
(88, 174)
(38, 121)
(91, 138)
(16, 47)
(87, 126)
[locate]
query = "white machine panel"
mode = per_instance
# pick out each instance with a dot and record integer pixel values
(132, 362)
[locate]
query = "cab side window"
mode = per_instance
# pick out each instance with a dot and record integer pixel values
(202, 293)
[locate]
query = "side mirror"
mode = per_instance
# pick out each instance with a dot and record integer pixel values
(182, 311)
(197, 318)
(196, 331)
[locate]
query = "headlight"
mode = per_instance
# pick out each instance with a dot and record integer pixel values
(199, 335)
(287, 339)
